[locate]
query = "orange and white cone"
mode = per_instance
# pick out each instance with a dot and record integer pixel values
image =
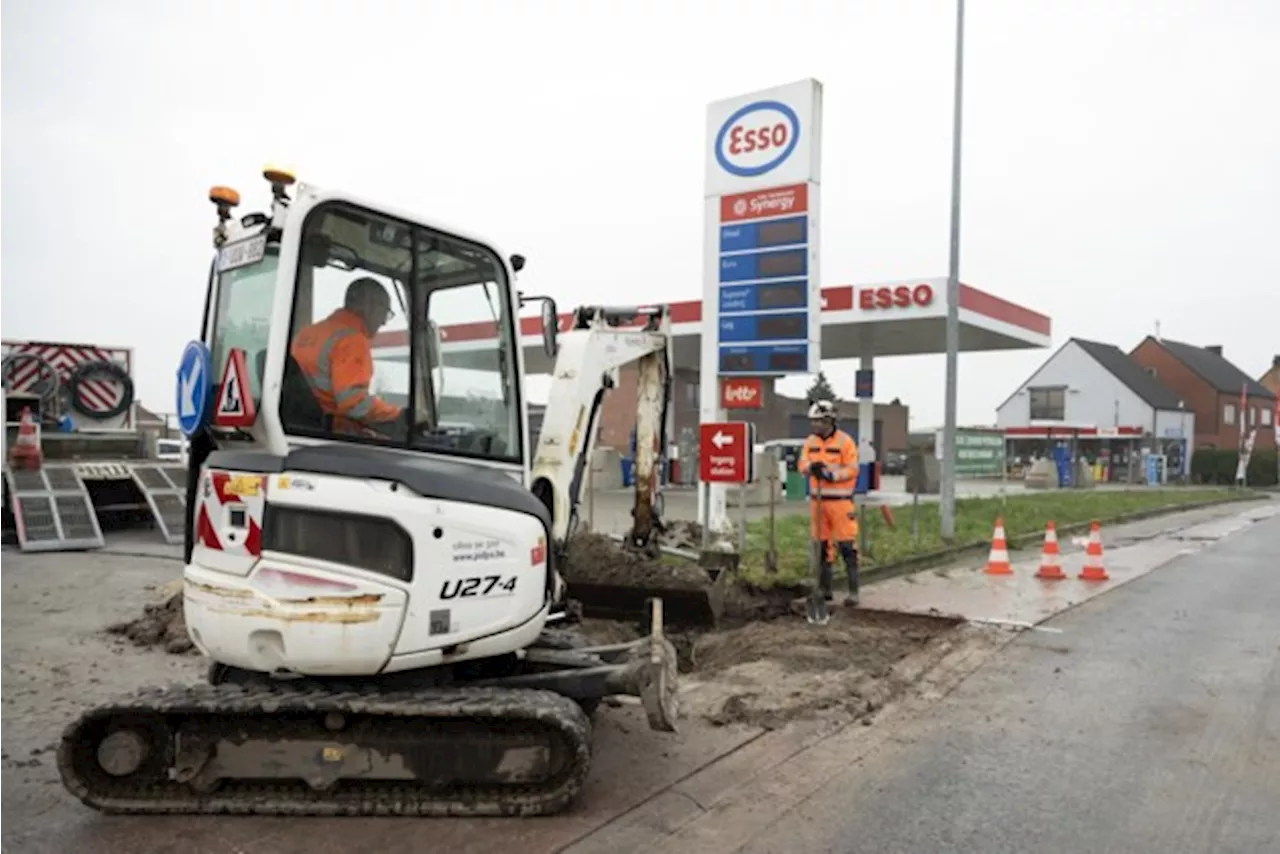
(998, 559)
(25, 453)
(1093, 569)
(1050, 561)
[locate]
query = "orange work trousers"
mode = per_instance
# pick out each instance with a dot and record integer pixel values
(833, 521)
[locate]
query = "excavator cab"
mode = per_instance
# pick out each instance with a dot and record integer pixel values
(370, 563)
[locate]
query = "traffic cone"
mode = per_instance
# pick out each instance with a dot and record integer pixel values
(998, 560)
(1050, 568)
(25, 453)
(1093, 569)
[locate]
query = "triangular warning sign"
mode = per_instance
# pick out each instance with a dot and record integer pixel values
(235, 400)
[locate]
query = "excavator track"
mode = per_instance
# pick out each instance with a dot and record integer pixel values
(278, 750)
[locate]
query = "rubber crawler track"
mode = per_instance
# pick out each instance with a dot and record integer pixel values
(562, 718)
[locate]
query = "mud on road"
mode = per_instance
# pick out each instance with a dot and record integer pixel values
(761, 666)
(770, 672)
(78, 631)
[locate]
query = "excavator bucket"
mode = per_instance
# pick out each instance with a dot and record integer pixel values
(611, 582)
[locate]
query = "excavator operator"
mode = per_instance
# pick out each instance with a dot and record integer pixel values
(830, 457)
(336, 357)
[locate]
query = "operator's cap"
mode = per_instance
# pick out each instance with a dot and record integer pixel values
(822, 409)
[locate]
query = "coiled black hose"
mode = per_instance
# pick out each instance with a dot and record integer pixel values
(46, 373)
(100, 370)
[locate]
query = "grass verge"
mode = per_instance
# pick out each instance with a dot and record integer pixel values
(1024, 515)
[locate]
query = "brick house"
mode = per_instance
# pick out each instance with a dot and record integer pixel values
(1271, 379)
(1210, 386)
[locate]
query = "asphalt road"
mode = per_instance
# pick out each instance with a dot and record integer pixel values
(1151, 723)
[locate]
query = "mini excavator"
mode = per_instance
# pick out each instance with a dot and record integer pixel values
(379, 602)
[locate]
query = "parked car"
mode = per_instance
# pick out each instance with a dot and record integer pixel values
(895, 462)
(171, 450)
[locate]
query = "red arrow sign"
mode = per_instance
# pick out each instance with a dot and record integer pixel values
(726, 452)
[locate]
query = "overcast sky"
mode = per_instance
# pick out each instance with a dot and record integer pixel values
(1122, 159)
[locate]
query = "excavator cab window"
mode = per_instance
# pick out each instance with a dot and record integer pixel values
(437, 371)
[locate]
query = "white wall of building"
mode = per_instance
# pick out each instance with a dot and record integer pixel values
(1094, 396)
(1175, 425)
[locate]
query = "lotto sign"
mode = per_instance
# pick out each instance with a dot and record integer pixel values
(762, 233)
(726, 452)
(742, 393)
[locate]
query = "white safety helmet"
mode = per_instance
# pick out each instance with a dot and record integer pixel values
(822, 409)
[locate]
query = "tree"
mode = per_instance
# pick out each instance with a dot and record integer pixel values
(821, 390)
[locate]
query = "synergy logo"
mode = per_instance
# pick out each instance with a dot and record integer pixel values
(757, 138)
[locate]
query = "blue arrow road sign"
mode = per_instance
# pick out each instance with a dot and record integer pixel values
(193, 388)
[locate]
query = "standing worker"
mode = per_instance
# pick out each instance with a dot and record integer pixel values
(830, 457)
(335, 355)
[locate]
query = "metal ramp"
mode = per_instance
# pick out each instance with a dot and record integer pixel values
(51, 510)
(165, 489)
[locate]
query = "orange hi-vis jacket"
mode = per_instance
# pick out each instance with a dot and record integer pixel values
(335, 356)
(832, 519)
(840, 453)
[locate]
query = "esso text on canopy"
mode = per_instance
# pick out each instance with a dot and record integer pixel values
(757, 138)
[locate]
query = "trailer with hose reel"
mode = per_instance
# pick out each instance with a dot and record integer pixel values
(100, 466)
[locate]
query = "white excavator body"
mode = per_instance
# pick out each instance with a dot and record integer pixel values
(372, 580)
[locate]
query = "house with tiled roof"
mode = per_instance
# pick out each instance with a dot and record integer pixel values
(1223, 397)
(1092, 393)
(1271, 379)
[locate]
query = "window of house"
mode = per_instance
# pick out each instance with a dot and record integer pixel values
(1253, 416)
(1229, 414)
(1048, 404)
(1266, 418)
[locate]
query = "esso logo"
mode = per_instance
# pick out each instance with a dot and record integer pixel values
(901, 296)
(757, 138)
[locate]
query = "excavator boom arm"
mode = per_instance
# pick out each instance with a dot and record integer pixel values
(601, 341)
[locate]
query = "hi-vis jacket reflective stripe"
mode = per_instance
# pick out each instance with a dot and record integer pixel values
(335, 356)
(840, 453)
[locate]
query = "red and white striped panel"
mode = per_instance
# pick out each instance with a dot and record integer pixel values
(98, 395)
(217, 527)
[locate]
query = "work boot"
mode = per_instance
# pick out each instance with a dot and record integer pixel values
(851, 569)
(824, 580)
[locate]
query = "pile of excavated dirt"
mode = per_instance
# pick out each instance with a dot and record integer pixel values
(161, 623)
(683, 535)
(767, 673)
(598, 559)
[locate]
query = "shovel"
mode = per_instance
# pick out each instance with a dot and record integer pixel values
(818, 614)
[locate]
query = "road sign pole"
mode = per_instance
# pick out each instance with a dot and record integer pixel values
(712, 512)
(947, 510)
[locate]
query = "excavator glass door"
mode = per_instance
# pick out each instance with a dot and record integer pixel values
(246, 272)
(403, 336)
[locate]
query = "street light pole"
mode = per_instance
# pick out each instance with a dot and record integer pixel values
(948, 491)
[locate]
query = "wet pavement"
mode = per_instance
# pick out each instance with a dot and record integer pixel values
(644, 786)
(1150, 723)
(1129, 551)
